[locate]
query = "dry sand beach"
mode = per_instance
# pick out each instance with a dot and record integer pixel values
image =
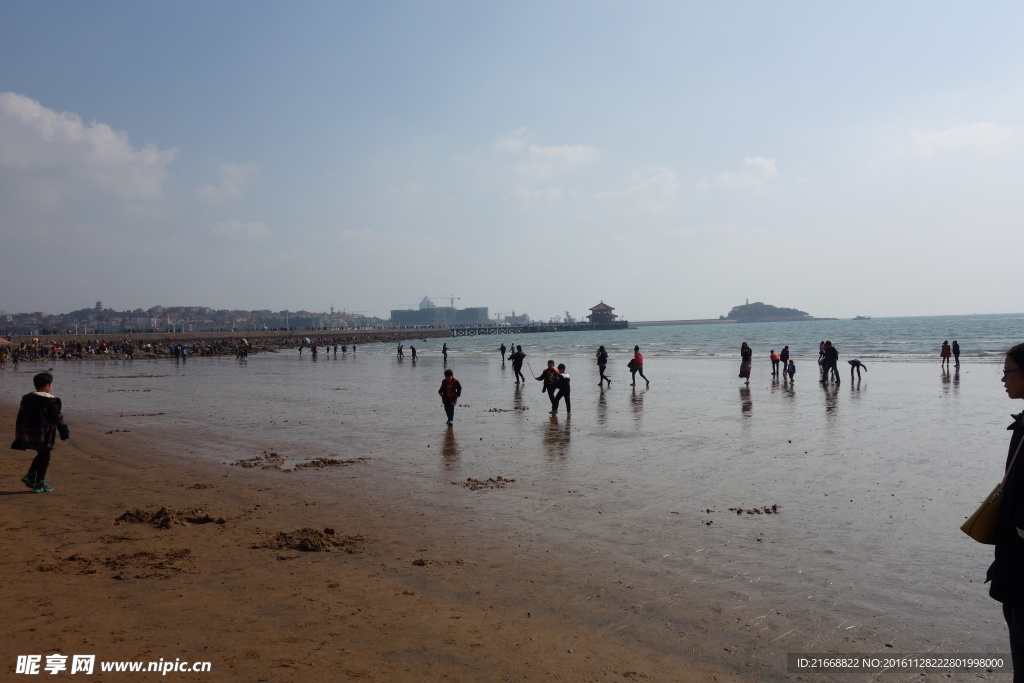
(605, 546)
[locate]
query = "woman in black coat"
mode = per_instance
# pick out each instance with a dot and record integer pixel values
(1007, 571)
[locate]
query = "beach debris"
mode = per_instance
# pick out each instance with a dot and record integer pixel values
(117, 430)
(270, 460)
(311, 540)
(508, 410)
(328, 462)
(472, 484)
(165, 518)
(140, 565)
(766, 510)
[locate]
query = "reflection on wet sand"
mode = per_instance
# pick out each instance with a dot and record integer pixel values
(746, 403)
(637, 401)
(602, 409)
(450, 448)
(831, 398)
(557, 438)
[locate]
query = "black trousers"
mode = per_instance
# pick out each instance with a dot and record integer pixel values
(449, 410)
(568, 402)
(1015, 622)
(37, 470)
(551, 395)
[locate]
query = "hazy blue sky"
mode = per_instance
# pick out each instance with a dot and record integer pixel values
(670, 158)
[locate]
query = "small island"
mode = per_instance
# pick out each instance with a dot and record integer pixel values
(760, 312)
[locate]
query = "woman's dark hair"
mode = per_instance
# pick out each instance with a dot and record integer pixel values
(1017, 354)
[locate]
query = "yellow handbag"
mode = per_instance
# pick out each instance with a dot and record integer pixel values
(981, 526)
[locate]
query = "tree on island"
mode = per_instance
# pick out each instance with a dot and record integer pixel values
(762, 311)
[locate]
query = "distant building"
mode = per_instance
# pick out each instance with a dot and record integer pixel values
(429, 315)
(602, 313)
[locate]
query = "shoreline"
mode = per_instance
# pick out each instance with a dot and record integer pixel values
(414, 593)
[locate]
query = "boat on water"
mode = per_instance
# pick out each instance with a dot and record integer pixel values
(863, 317)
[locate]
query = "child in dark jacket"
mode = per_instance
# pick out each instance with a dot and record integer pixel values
(38, 423)
(563, 391)
(450, 391)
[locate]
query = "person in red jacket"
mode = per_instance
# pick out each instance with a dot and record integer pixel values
(637, 365)
(450, 391)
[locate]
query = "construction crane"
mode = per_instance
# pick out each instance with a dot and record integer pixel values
(451, 298)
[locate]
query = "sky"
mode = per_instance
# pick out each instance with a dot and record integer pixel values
(672, 159)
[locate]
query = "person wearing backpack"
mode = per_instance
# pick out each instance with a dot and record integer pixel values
(450, 391)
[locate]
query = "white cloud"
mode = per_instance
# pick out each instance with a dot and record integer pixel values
(981, 138)
(755, 173)
(549, 194)
(233, 179)
(566, 154)
(510, 143)
(650, 190)
(236, 228)
(49, 158)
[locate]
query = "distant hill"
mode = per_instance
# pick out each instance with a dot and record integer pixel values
(759, 312)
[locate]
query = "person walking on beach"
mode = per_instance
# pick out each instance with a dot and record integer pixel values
(602, 363)
(784, 358)
(550, 378)
(856, 365)
(791, 370)
(36, 428)
(444, 352)
(945, 354)
(400, 354)
(563, 391)
(1007, 569)
(956, 353)
(517, 364)
(502, 349)
(774, 358)
(745, 357)
(830, 364)
(413, 350)
(450, 392)
(637, 365)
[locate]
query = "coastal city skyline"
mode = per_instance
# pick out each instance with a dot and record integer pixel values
(671, 159)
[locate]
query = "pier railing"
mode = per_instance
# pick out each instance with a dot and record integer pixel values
(529, 328)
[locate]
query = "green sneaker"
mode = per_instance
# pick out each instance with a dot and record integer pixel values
(29, 481)
(42, 487)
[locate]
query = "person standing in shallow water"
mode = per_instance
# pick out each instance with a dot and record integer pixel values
(444, 352)
(945, 354)
(637, 365)
(1006, 574)
(450, 392)
(602, 363)
(549, 376)
(956, 354)
(517, 364)
(745, 359)
(502, 349)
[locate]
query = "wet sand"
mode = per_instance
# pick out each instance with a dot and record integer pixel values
(409, 592)
(516, 546)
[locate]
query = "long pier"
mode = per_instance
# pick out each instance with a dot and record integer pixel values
(531, 328)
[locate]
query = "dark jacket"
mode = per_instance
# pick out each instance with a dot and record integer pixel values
(550, 378)
(1007, 571)
(602, 358)
(450, 391)
(39, 420)
(517, 359)
(563, 384)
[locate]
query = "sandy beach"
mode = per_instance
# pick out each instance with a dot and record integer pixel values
(632, 541)
(406, 593)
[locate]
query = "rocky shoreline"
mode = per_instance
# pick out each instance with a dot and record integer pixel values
(158, 345)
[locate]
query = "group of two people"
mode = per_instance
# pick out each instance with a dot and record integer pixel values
(948, 351)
